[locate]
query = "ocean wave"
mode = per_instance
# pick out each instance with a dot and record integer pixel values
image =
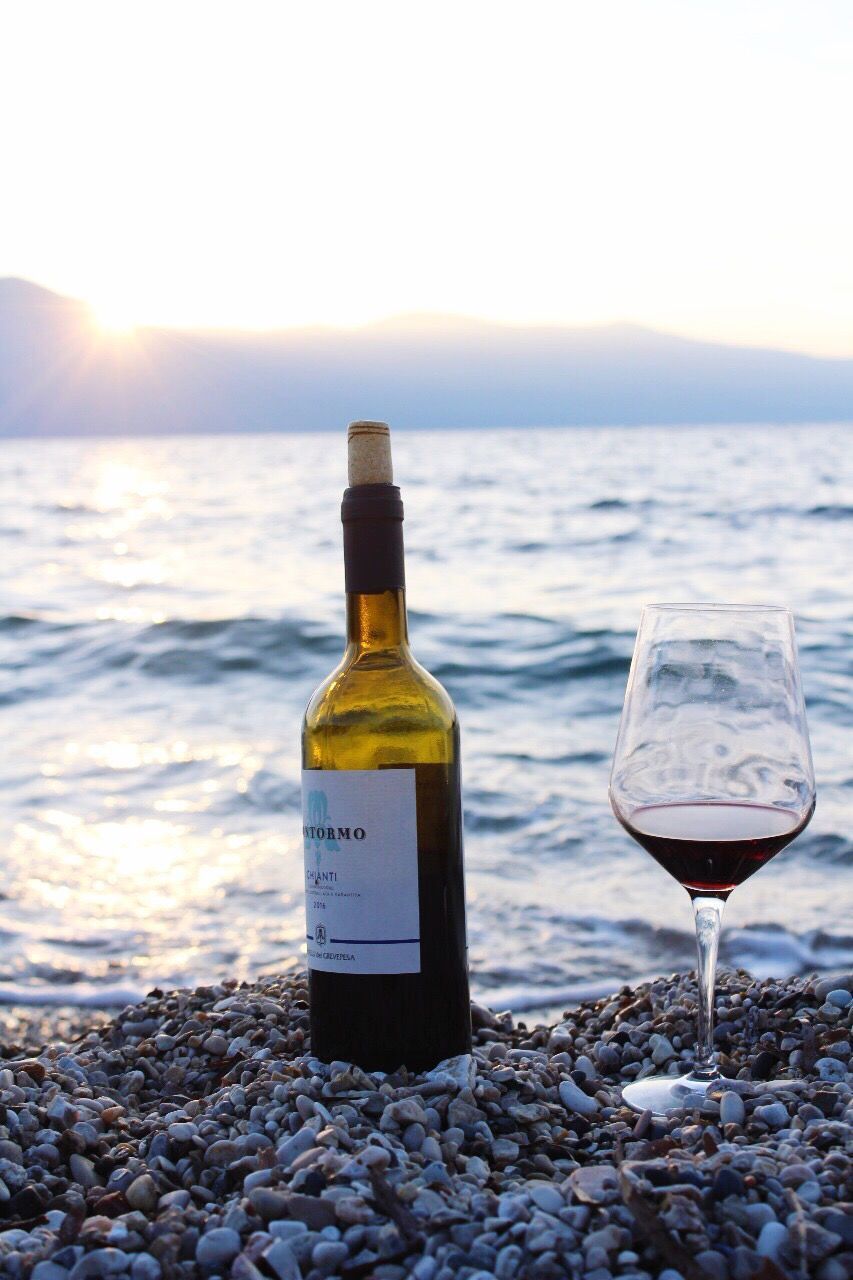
(528, 674)
(82, 995)
(770, 950)
(199, 651)
(826, 846)
(765, 951)
(831, 511)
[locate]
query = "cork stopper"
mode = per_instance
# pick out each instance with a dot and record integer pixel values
(369, 452)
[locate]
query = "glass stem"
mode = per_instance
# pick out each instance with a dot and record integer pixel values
(709, 914)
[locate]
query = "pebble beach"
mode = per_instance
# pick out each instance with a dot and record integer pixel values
(194, 1135)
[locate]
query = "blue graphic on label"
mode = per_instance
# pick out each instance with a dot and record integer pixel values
(361, 870)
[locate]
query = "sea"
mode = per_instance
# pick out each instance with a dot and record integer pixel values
(168, 605)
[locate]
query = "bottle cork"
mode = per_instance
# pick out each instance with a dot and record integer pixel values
(369, 453)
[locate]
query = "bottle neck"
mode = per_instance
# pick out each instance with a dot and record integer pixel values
(377, 620)
(372, 516)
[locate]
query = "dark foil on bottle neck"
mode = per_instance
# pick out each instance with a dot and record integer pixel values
(372, 516)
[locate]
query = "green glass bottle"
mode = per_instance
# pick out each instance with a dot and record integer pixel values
(384, 883)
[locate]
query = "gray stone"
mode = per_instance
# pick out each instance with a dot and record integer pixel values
(732, 1110)
(774, 1115)
(286, 1229)
(181, 1132)
(609, 1058)
(216, 1248)
(316, 1214)
(328, 1255)
(833, 1269)
(819, 1242)
(174, 1199)
(743, 1263)
(608, 1238)
(459, 1072)
(47, 1270)
(222, 1153)
(714, 1263)
(759, 1214)
(574, 1099)
(282, 1259)
(242, 1268)
(397, 1115)
(293, 1147)
(512, 1208)
(545, 1197)
(461, 1113)
(842, 1225)
(100, 1262)
(413, 1137)
(830, 1069)
(662, 1050)
(63, 1112)
(427, 1202)
(268, 1203)
(771, 1239)
(145, 1267)
(83, 1172)
(833, 982)
(840, 997)
(594, 1184)
(142, 1194)
(509, 1260)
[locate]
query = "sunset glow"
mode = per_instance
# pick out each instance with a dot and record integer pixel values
(674, 164)
(113, 318)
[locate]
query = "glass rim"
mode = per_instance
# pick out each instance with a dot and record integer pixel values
(709, 605)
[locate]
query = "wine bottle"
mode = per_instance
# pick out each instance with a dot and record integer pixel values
(382, 819)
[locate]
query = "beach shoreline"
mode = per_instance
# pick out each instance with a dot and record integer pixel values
(193, 1134)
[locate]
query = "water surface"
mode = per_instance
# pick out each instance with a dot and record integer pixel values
(167, 607)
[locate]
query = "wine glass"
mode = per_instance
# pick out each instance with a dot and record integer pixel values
(712, 775)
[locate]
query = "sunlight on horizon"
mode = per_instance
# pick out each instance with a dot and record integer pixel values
(113, 318)
(675, 164)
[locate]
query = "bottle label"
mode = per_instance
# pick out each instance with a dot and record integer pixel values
(361, 870)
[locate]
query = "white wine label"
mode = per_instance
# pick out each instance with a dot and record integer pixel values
(361, 870)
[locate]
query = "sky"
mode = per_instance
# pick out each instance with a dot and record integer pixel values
(676, 163)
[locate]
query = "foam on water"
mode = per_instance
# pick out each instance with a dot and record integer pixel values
(167, 607)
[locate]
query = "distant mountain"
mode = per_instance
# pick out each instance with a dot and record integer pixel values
(60, 376)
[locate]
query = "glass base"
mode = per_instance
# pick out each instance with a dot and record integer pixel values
(662, 1094)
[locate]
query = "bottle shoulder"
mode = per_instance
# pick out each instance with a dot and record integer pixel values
(376, 710)
(393, 682)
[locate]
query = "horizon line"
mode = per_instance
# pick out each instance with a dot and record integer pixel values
(440, 320)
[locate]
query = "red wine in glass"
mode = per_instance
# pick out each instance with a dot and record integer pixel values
(711, 846)
(712, 775)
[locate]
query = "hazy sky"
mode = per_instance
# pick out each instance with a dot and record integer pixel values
(679, 163)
